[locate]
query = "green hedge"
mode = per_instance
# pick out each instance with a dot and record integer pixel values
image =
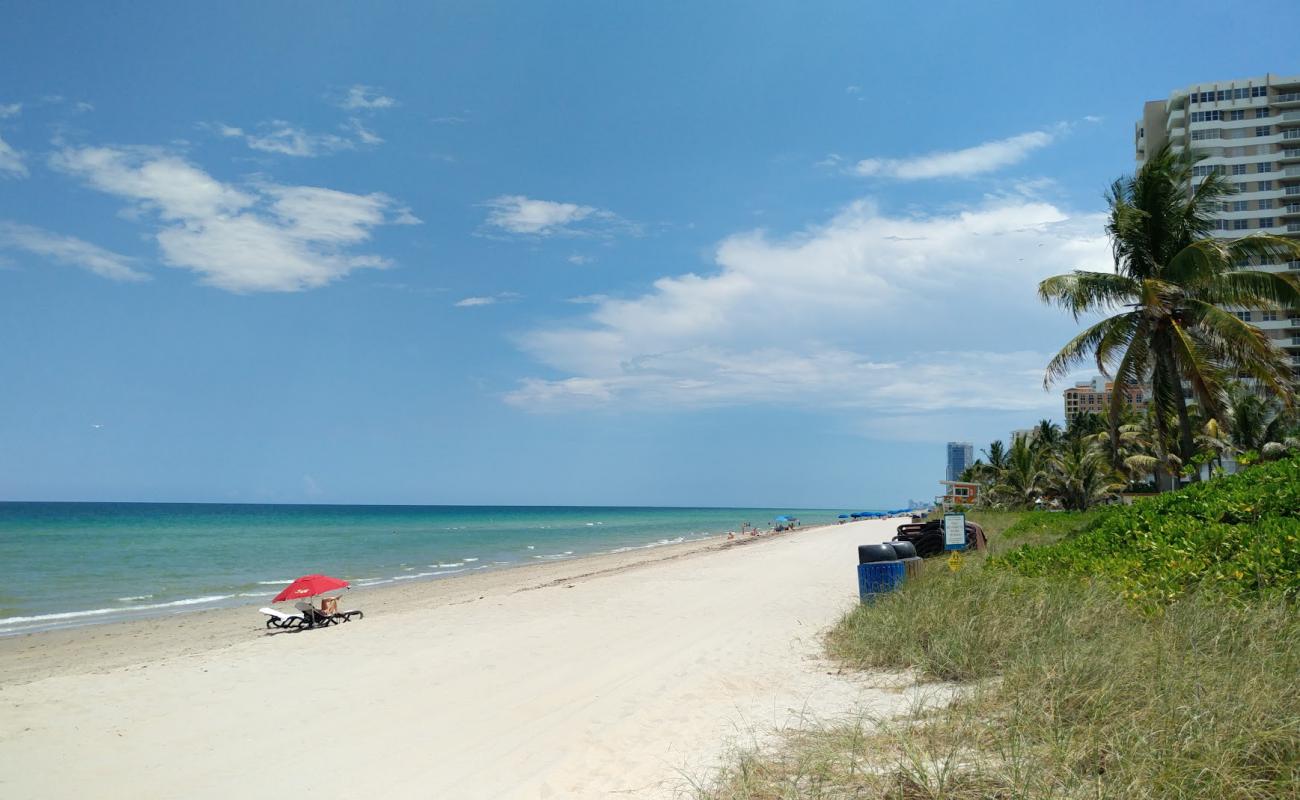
(1237, 536)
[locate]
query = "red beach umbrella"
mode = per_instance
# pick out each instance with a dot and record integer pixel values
(309, 586)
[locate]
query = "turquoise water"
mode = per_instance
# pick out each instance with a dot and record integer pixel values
(67, 564)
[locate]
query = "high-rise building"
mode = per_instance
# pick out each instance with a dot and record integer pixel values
(1249, 129)
(1093, 397)
(960, 456)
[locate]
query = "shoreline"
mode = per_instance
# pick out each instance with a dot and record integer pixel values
(213, 558)
(613, 675)
(31, 655)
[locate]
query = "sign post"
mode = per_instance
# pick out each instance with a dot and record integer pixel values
(954, 531)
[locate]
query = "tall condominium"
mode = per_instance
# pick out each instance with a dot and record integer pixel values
(1249, 129)
(960, 456)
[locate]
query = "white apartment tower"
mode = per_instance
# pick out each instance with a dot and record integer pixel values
(1249, 129)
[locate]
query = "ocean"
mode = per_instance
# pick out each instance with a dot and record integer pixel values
(72, 564)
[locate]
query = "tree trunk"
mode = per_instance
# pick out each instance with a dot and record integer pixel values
(1186, 442)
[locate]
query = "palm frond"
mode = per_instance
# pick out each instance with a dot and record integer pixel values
(1080, 347)
(1082, 291)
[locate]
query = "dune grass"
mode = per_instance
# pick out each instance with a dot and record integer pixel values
(1070, 690)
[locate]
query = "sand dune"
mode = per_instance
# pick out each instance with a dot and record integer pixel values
(614, 676)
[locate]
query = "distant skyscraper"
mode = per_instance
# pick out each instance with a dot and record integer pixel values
(960, 456)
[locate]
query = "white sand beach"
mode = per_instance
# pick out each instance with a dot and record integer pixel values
(613, 676)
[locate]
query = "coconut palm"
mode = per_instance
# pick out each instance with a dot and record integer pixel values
(1173, 280)
(1080, 478)
(996, 455)
(1046, 435)
(1021, 480)
(1258, 423)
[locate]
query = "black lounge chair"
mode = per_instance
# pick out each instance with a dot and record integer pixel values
(313, 617)
(279, 619)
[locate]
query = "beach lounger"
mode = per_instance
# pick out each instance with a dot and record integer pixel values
(346, 616)
(312, 617)
(279, 619)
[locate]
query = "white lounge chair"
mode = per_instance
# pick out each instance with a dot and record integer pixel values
(279, 619)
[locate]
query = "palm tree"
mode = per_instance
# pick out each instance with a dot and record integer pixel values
(1046, 435)
(1173, 278)
(996, 455)
(1256, 421)
(1021, 481)
(1080, 477)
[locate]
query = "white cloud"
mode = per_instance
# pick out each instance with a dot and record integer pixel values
(69, 250)
(10, 110)
(279, 136)
(977, 160)
(580, 259)
(500, 297)
(364, 135)
(284, 138)
(262, 237)
(360, 97)
(868, 311)
(11, 162)
(853, 90)
(526, 216)
(518, 214)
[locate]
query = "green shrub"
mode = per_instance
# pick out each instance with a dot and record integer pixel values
(1237, 536)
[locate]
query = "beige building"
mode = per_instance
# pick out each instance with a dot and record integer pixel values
(1249, 129)
(1093, 397)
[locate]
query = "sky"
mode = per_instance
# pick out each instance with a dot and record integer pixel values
(750, 254)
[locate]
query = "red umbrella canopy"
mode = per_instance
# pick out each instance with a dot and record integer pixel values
(309, 586)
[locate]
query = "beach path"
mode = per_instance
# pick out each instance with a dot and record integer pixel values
(620, 684)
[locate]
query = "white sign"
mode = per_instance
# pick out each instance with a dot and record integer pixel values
(954, 531)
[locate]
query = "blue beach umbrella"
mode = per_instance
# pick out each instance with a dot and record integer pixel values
(844, 516)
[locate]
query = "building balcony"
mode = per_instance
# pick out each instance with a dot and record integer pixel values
(1291, 154)
(1287, 100)
(1290, 210)
(1280, 324)
(1287, 118)
(1290, 173)
(1288, 135)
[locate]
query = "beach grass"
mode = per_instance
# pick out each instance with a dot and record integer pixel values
(1066, 690)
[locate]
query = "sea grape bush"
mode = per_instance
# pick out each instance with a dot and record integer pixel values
(1237, 536)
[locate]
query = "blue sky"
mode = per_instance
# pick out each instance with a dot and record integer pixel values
(566, 253)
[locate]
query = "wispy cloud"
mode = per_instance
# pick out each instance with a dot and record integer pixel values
(363, 134)
(365, 98)
(259, 237)
(68, 250)
(486, 300)
(278, 136)
(807, 319)
(11, 162)
(10, 110)
(965, 163)
(526, 216)
(853, 90)
(580, 259)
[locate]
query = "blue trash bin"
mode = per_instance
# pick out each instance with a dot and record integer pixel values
(879, 577)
